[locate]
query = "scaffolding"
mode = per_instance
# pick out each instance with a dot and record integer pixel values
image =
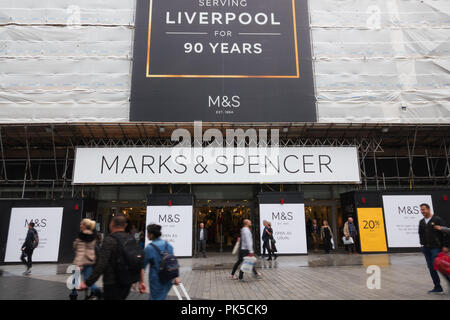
(37, 160)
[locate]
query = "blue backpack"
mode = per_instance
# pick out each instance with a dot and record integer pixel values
(169, 268)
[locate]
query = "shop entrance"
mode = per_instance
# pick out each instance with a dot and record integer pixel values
(223, 221)
(135, 211)
(328, 210)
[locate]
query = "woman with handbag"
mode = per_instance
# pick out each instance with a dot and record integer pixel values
(326, 235)
(85, 253)
(272, 247)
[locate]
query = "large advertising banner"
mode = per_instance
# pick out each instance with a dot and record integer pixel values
(48, 225)
(216, 165)
(222, 60)
(176, 226)
(288, 224)
(402, 214)
(371, 230)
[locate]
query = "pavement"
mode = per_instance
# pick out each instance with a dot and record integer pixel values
(340, 276)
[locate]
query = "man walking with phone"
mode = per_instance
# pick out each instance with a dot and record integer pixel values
(432, 242)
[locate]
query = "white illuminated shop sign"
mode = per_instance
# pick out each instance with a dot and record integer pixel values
(176, 226)
(216, 165)
(47, 222)
(288, 224)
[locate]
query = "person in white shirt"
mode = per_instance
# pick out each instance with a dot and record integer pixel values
(246, 249)
(202, 237)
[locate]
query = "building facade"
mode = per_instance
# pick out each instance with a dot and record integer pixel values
(373, 75)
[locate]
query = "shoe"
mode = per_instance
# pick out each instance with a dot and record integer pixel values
(242, 280)
(257, 276)
(436, 290)
(97, 295)
(233, 277)
(270, 259)
(27, 272)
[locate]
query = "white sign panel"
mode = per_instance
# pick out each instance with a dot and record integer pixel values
(402, 216)
(216, 165)
(48, 225)
(176, 226)
(288, 224)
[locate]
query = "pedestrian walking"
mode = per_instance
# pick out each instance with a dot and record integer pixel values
(31, 243)
(156, 255)
(326, 235)
(266, 240)
(246, 250)
(202, 236)
(350, 232)
(315, 235)
(85, 254)
(272, 241)
(308, 233)
(142, 240)
(433, 242)
(120, 261)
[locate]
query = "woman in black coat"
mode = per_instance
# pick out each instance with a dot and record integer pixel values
(272, 241)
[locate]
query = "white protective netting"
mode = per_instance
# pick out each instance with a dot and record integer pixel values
(65, 61)
(374, 60)
(382, 60)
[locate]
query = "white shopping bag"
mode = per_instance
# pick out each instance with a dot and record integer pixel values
(236, 247)
(183, 290)
(247, 264)
(347, 241)
(332, 244)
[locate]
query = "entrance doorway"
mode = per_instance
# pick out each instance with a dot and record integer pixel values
(322, 210)
(223, 221)
(135, 211)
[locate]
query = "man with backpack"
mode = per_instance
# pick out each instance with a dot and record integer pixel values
(164, 267)
(31, 243)
(120, 261)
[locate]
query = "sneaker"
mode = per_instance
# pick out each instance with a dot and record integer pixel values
(436, 290)
(27, 272)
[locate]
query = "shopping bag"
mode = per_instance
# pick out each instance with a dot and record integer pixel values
(183, 290)
(347, 241)
(248, 264)
(236, 247)
(332, 244)
(442, 263)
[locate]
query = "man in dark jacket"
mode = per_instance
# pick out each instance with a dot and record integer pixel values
(107, 263)
(28, 248)
(202, 236)
(432, 242)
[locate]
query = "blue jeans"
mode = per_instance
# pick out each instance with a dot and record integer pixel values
(86, 273)
(431, 254)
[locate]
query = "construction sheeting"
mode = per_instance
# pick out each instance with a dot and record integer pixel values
(382, 60)
(65, 61)
(374, 60)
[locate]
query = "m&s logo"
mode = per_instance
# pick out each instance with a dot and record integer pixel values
(409, 210)
(38, 223)
(282, 216)
(175, 218)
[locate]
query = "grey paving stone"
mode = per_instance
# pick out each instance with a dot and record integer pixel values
(316, 276)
